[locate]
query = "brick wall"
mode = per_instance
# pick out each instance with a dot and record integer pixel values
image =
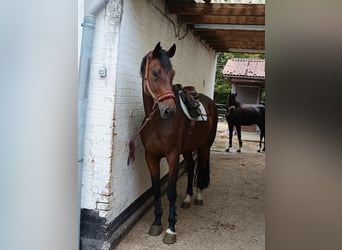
(96, 181)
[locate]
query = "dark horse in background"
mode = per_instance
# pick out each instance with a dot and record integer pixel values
(169, 133)
(244, 114)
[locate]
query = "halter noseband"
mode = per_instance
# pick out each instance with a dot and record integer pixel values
(162, 96)
(231, 107)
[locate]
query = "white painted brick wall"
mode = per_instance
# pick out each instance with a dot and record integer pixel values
(108, 184)
(97, 169)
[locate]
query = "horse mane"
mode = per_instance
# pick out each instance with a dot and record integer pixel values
(163, 58)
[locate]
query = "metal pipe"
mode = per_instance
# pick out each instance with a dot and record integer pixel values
(83, 86)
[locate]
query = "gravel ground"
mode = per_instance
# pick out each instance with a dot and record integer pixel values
(233, 214)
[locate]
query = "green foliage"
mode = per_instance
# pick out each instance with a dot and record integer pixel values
(222, 85)
(263, 95)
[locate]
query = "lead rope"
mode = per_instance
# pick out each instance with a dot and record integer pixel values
(131, 144)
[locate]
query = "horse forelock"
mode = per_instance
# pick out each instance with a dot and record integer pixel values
(163, 58)
(231, 101)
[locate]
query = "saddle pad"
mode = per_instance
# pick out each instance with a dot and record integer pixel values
(201, 118)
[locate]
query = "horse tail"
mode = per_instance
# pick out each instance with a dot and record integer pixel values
(202, 177)
(203, 168)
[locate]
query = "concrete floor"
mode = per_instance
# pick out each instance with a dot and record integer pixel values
(232, 217)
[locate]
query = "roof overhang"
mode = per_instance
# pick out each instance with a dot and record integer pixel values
(246, 81)
(225, 27)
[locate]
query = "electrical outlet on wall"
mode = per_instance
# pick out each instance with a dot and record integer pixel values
(102, 72)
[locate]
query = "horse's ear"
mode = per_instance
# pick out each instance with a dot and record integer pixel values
(156, 50)
(172, 51)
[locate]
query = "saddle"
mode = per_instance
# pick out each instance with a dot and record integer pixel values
(190, 98)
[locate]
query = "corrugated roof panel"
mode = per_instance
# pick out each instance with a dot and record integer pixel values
(245, 67)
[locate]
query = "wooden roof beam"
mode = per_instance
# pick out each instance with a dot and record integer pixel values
(235, 43)
(238, 33)
(249, 51)
(239, 45)
(208, 35)
(247, 27)
(209, 19)
(232, 39)
(222, 9)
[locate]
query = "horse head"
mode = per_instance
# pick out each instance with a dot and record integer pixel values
(157, 73)
(231, 102)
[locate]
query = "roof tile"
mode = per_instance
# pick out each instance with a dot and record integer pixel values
(245, 67)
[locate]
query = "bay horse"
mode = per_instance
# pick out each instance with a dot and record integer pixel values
(169, 133)
(244, 114)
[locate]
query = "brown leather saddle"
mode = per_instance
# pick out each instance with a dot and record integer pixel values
(190, 98)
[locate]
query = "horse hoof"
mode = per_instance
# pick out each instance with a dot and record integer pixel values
(185, 205)
(258, 151)
(155, 230)
(199, 202)
(227, 150)
(169, 237)
(239, 151)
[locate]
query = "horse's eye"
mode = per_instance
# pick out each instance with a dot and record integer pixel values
(155, 73)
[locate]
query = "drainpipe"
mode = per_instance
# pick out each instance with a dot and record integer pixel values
(83, 86)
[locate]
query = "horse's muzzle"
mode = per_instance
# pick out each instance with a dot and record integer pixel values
(166, 112)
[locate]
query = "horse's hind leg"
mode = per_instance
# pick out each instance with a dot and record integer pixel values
(238, 130)
(203, 173)
(190, 164)
(153, 165)
(262, 136)
(260, 140)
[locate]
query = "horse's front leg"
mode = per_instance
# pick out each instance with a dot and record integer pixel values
(153, 165)
(230, 128)
(238, 130)
(173, 161)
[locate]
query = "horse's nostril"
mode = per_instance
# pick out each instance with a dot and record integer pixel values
(168, 112)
